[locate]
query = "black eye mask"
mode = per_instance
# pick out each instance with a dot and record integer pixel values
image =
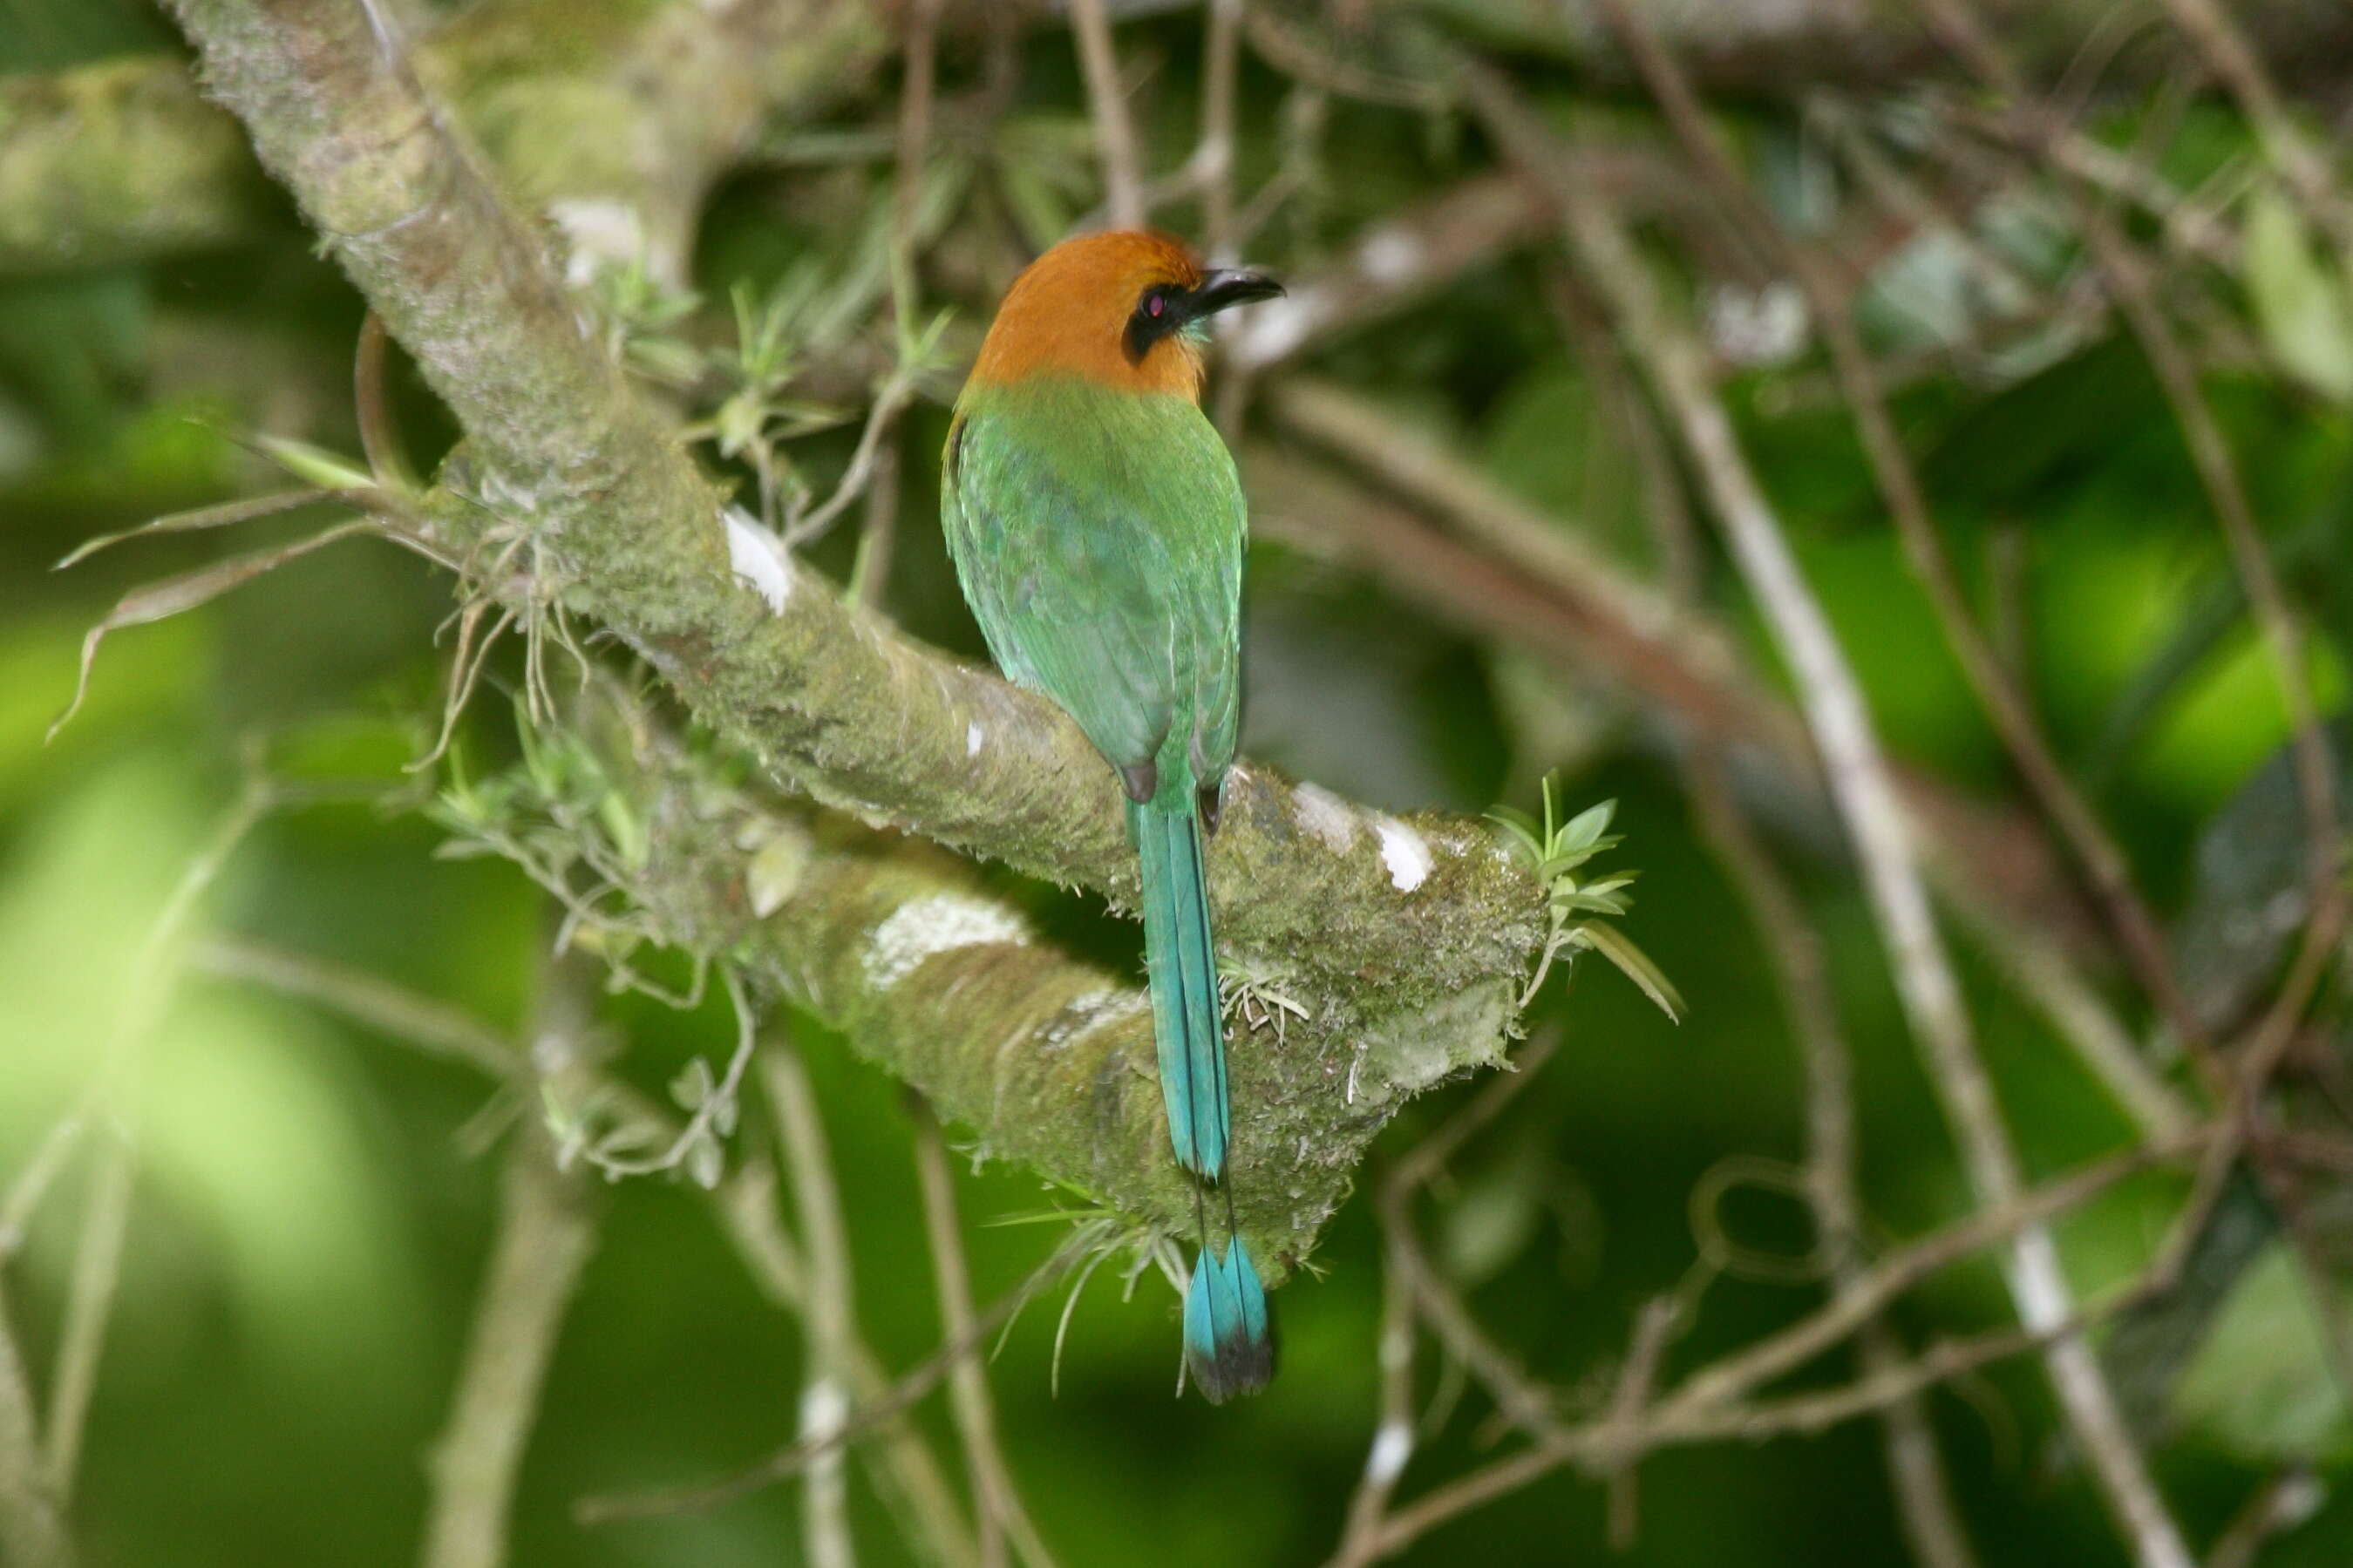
(1164, 309)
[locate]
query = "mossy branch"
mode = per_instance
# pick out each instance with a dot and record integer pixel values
(608, 118)
(117, 162)
(905, 950)
(1405, 940)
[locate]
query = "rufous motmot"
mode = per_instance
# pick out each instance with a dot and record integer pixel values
(1097, 525)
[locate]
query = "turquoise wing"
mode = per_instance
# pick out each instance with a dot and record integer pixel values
(1099, 536)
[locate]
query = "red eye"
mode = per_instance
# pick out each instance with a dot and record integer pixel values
(1156, 304)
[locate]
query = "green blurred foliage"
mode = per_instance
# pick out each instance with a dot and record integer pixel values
(313, 1202)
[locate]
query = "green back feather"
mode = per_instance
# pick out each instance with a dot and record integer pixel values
(1099, 534)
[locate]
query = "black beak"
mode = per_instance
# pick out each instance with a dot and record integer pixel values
(1225, 288)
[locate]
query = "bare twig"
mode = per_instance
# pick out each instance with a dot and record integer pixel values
(1780, 920)
(872, 574)
(547, 1229)
(2218, 471)
(1831, 303)
(36, 1469)
(2080, 1017)
(887, 1405)
(1107, 101)
(901, 1462)
(1522, 1402)
(1393, 1432)
(745, 1201)
(1410, 1290)
(2231, 56)
(32, 1526)
(22, 1197)
(829, 1310)
(90, 1301)
(1603, 1443)
(997, 1501)
(2280, 1503)
(1930, 1520)
(419, 1022)
(1221, 63)
(1860, 782)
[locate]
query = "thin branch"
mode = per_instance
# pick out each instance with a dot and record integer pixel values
(1860, 782)
(23, 1198)
(420, 1021)
(2279, 1504)
(1832, 302)
(2231, 56)
(997, 1501)
(32, 1527)
(2082, 1018)
(1393, 1432)
(89, 1303)
(901, 1462)
(1524, 1403)
(828, 1308)
(1930, 1520)
(1924, 1493)
(1600, 1444)
(744, 1202)
(885, 1406)
(546, 1231)
(2218, 471)
(1107, 100)
(1222, 44)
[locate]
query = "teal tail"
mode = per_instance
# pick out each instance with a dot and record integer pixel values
(1229, 1337)
(1186, 1018)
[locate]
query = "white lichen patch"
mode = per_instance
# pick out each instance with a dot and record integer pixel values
(1324, 817)
(1409, 1051)
(599, 232)
(823, 1407)
(927, 927)
(1392, 1446)
(1404, 852)
(758, 558)
(1084, 1014)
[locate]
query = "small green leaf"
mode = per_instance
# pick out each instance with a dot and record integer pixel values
(2260, 1385)
(2300, 304)
(1636, 966)
(1584, 830)
(315, 465)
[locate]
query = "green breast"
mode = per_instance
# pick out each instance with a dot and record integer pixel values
(1099, 538)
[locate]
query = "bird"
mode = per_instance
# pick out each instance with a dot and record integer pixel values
(1097, 526)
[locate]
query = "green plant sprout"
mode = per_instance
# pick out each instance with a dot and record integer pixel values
(1579, 908)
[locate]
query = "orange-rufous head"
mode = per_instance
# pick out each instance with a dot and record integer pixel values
(1124, 308)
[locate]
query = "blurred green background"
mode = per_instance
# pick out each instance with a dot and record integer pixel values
(312, 1202)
